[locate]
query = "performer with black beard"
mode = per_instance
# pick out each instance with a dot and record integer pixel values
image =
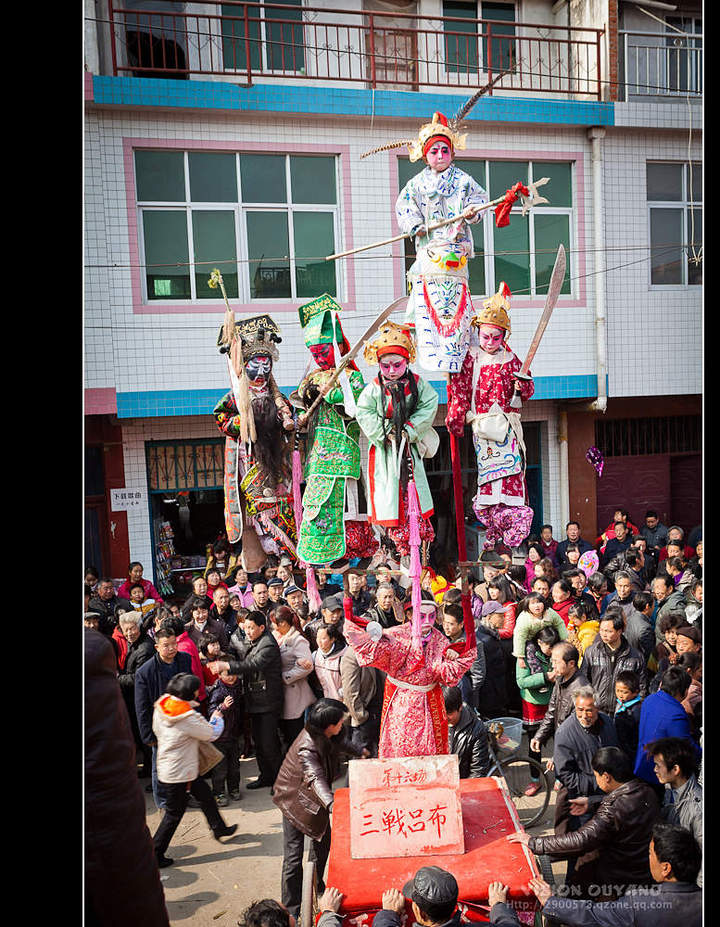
(255, 418)
(396, 413)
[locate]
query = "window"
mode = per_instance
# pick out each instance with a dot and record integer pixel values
(684, 54)
(274, 37)
(462, 36)
(521, 254)
(266, 220)
(674, 193)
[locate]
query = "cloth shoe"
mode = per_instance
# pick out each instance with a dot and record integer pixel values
(532, 789)
(235, 795)
(222, 800)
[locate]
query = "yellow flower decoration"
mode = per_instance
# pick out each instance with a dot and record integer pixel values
(215, 279)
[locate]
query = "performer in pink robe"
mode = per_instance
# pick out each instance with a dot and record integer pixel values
(413, 720)
(481, 394)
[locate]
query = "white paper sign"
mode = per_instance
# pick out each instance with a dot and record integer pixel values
(124, 500)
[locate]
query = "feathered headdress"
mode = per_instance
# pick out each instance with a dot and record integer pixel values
(495, 311)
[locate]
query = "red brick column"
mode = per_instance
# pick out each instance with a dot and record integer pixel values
(613, 49)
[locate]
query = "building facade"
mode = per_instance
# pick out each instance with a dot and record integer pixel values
(231, 135)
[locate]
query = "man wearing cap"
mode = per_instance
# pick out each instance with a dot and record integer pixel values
(331, 612)
(275, 592)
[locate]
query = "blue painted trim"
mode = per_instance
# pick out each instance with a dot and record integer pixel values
(324, 99)
(160, 403)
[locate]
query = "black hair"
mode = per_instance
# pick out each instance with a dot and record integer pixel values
(183, 685)
(455, 611)
(675, 681)
(531, 597)
(572, 523)
(134, 564)
(569, 652)
(641, 600)
(677, 846)
(501, 583)
(259, 582)
(257, 617)
(616, 523)
(596, 581)
(92, 570)
(690, 660)
(549, 571)
(518, 572)
(651, 513)
(677, 563)
(675, 751)
(632, 558)
(630, 679)
(207, 638)
(613, 760)
(176, 622)
(548, 635)
(333, 632)
(617, 618)
(571, 572)
(579, 608)
(198, 601)
(165, 630)
(453, 699)
(136, 586)
(671, 620)
(675, 542)
(666, 578)
(106, 579)
(265, 913)
(546, 526)
(452, 596)
(324, 712)
(564, 585)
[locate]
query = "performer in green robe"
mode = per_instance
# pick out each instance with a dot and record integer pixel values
(396, 413)
(332, 526)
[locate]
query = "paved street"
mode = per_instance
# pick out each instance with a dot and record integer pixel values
(211, 883)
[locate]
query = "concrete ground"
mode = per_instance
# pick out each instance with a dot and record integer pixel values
(211, 883)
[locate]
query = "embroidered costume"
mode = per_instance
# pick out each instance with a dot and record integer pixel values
(332, 525)
(397, 417)
(481, 394)
(254, 417)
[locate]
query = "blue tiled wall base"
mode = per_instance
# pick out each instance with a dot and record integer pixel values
(325, 99)
(163, 403)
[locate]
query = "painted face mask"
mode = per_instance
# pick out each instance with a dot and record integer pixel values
(490, 338)
(393, 366)
(259, 367)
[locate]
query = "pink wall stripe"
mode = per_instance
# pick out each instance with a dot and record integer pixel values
(102, 401)
(89, 92)
(154, 308)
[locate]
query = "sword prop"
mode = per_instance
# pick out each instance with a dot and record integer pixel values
(532, 199)
(384, 315)
(556, 281)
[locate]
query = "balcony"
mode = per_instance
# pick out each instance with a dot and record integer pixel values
(277, 42)
(661, 65)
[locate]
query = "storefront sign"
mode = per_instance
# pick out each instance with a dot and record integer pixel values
(123, 500)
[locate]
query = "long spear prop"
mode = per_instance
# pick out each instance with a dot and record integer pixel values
(527, 193)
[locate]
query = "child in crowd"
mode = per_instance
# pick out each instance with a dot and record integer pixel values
(227, 698)
(140, 603)
(628, 702)
(210, 651)
(581, 628)
(533, 614)
(535, 681)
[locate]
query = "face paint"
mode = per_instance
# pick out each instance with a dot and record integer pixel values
(259, 367)
(439, 156)
(392, 366)
(490, 338)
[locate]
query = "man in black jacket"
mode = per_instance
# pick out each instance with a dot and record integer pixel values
(572, 536)
(262, 669)
(140, 649)
(491, 694)
(467, 736)
(617, 545)
(608, 655)
(150, 682)
(104, 602)
(566, 678)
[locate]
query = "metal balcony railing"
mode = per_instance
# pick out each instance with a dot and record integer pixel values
(274, 42)
(661, 64)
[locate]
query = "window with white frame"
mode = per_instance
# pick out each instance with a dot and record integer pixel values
(266, 220)
(521, 254)
(674, 193)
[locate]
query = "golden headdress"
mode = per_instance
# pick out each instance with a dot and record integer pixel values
(391, 339)
(495, 311)
(416, 146)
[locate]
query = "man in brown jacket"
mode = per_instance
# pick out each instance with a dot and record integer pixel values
(362, 691)
(567, 678)
(611, 848)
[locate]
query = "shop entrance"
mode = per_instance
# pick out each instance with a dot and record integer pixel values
(185, 484)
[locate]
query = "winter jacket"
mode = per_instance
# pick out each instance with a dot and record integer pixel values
(186, 608)
(602, 672)
(615, 839)
(661, 716)
(297, 694)
(574, 749)
(261, 668)
(684, 807)
(561, 552)
(106, 610)
(303, 788)
(562, 608)
(627, 725)
(138, 653)
(185, 644)
(534, 686)
(150, 682)
(359, 684)
(508, 626)
(179, 729)
(122, 885)
(212, 626)
(232, 716)
(327, 671)
(492, 694)
(469, 740)
(527, 627)
(560, 705)
(612, 549)
(639, 633)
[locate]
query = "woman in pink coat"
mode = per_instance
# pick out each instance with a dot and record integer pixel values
(135, 575)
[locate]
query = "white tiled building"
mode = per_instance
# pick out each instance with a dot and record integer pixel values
(212, 170)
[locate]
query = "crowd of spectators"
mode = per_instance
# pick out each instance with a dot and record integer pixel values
(596, 644)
